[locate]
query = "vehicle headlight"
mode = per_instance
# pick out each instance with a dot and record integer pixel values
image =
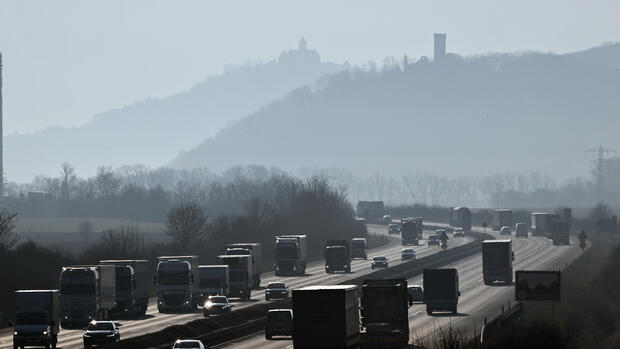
(110, 335)
(209, 304)
(15, 333)
(161, 302)
(44, 333)
(86, 335)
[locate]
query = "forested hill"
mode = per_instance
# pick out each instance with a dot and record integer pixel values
(463, 116)
(153, 131)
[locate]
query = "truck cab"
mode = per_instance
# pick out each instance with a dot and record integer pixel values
(177, 283)
(279, 323)
(337, 256)
(37, 316)
(358, 248)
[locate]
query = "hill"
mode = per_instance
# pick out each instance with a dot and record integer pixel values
(153, 131)
(472, 116)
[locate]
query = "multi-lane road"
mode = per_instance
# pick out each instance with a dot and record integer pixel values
(315, 275)
(477, 300)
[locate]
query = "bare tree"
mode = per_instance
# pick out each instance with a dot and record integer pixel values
(123, 242)
(107, 182)
(187, 224)
(8, 222)
(68, 179)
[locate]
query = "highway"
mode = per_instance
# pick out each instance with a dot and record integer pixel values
(476, 302)
(315, 274)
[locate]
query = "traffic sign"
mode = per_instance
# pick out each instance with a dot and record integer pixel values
(484, 225)
(443, 237)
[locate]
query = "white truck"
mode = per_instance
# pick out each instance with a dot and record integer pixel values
(132, 285)
(540, 223)
(87, 293)
(214, 280)
(291, 254)
(241, 280)
(37, 317)
(177, 282)
(257, 258)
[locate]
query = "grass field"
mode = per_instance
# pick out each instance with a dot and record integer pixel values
(70, 225)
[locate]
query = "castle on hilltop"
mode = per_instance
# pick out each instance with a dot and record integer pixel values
(301, 56)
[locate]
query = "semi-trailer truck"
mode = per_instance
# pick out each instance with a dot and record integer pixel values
(240, 269)
(409, 232)
(257, 258)
(177, 281)
(132, 285)
(501, 218)
(539, 223)
(291, 254)
(358, 248)
(326, 317)
(384, 309)
(441, 290)
(37, 317)
(560, 232)
(86, 293)
(497, 259)
(337, 256)
(460, 217)
(372, 211)
(214, 280)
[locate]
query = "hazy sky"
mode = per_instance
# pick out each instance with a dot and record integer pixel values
(65, 61)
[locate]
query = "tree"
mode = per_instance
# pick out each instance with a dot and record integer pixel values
(8, 222)
(68, 179)
(187, 224)
(106, 181)
(124, 242)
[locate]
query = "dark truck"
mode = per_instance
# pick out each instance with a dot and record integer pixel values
(358, 248)
(37, 317)
(497, 259)
(132, 285)
(385, 320)
(409, 232)
(559, 232)
(460, 217)
(326, 317)
(441, 290)
(337, 256)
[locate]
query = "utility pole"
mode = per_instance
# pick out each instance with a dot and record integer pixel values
(601, 155)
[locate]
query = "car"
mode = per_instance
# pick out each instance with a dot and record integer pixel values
(521, 230)
(458, 232)
(407, 254)
(216, 305)
(276, 290)
(188, 344)
(100, 332)
(387, 219)
(279, 323)
(393, 228)
(379, 261)
(505, 230)
(415, 293)
(433, 240)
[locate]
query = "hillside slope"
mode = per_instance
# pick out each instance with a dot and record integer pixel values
(466, 116)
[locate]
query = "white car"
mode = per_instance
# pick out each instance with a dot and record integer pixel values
(505, 230)
(458, 232)
(188, 344)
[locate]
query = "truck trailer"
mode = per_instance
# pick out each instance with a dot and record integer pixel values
(497, 261)
(460, 217)
(385, 320)
(326, 317)
(441, 290)
(539, 223)
(501, 218)
(560, 233)
(358, 248)
(37, 318)
(337, 256)
(240, 269)
(132, 285)
(409, 232)
(214, 280)
(372, 211)
(177, 281)
(257, 258)
(87, 293)
(291, 254)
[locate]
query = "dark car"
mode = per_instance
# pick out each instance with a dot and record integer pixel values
(415, 293)
(216, 305)
(433, 240)
(100, 332)
(276, 290)
(393, 229)
(407, 254)
(279, 323)
(379, 261)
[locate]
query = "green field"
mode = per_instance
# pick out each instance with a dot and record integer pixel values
(71, 225)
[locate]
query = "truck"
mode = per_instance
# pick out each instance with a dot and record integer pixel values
(441, 290)
(291, 254)
(497, 261)
(501, 218)
(240, 269)
(257, 258)
(384, 310)
(358, 248)
(460, 217)
(132, 285)
(87, 293)
(214, 280)
(539, 223)
(560, 233)
(37, 318)
(337, 256)
(326, 317)
(566, 214)
(177, 283)
(372, 211)
(409, 232)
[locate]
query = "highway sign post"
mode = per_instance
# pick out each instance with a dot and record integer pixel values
(484, 226)
(582, 239)
(444, 240)
(538, 285)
